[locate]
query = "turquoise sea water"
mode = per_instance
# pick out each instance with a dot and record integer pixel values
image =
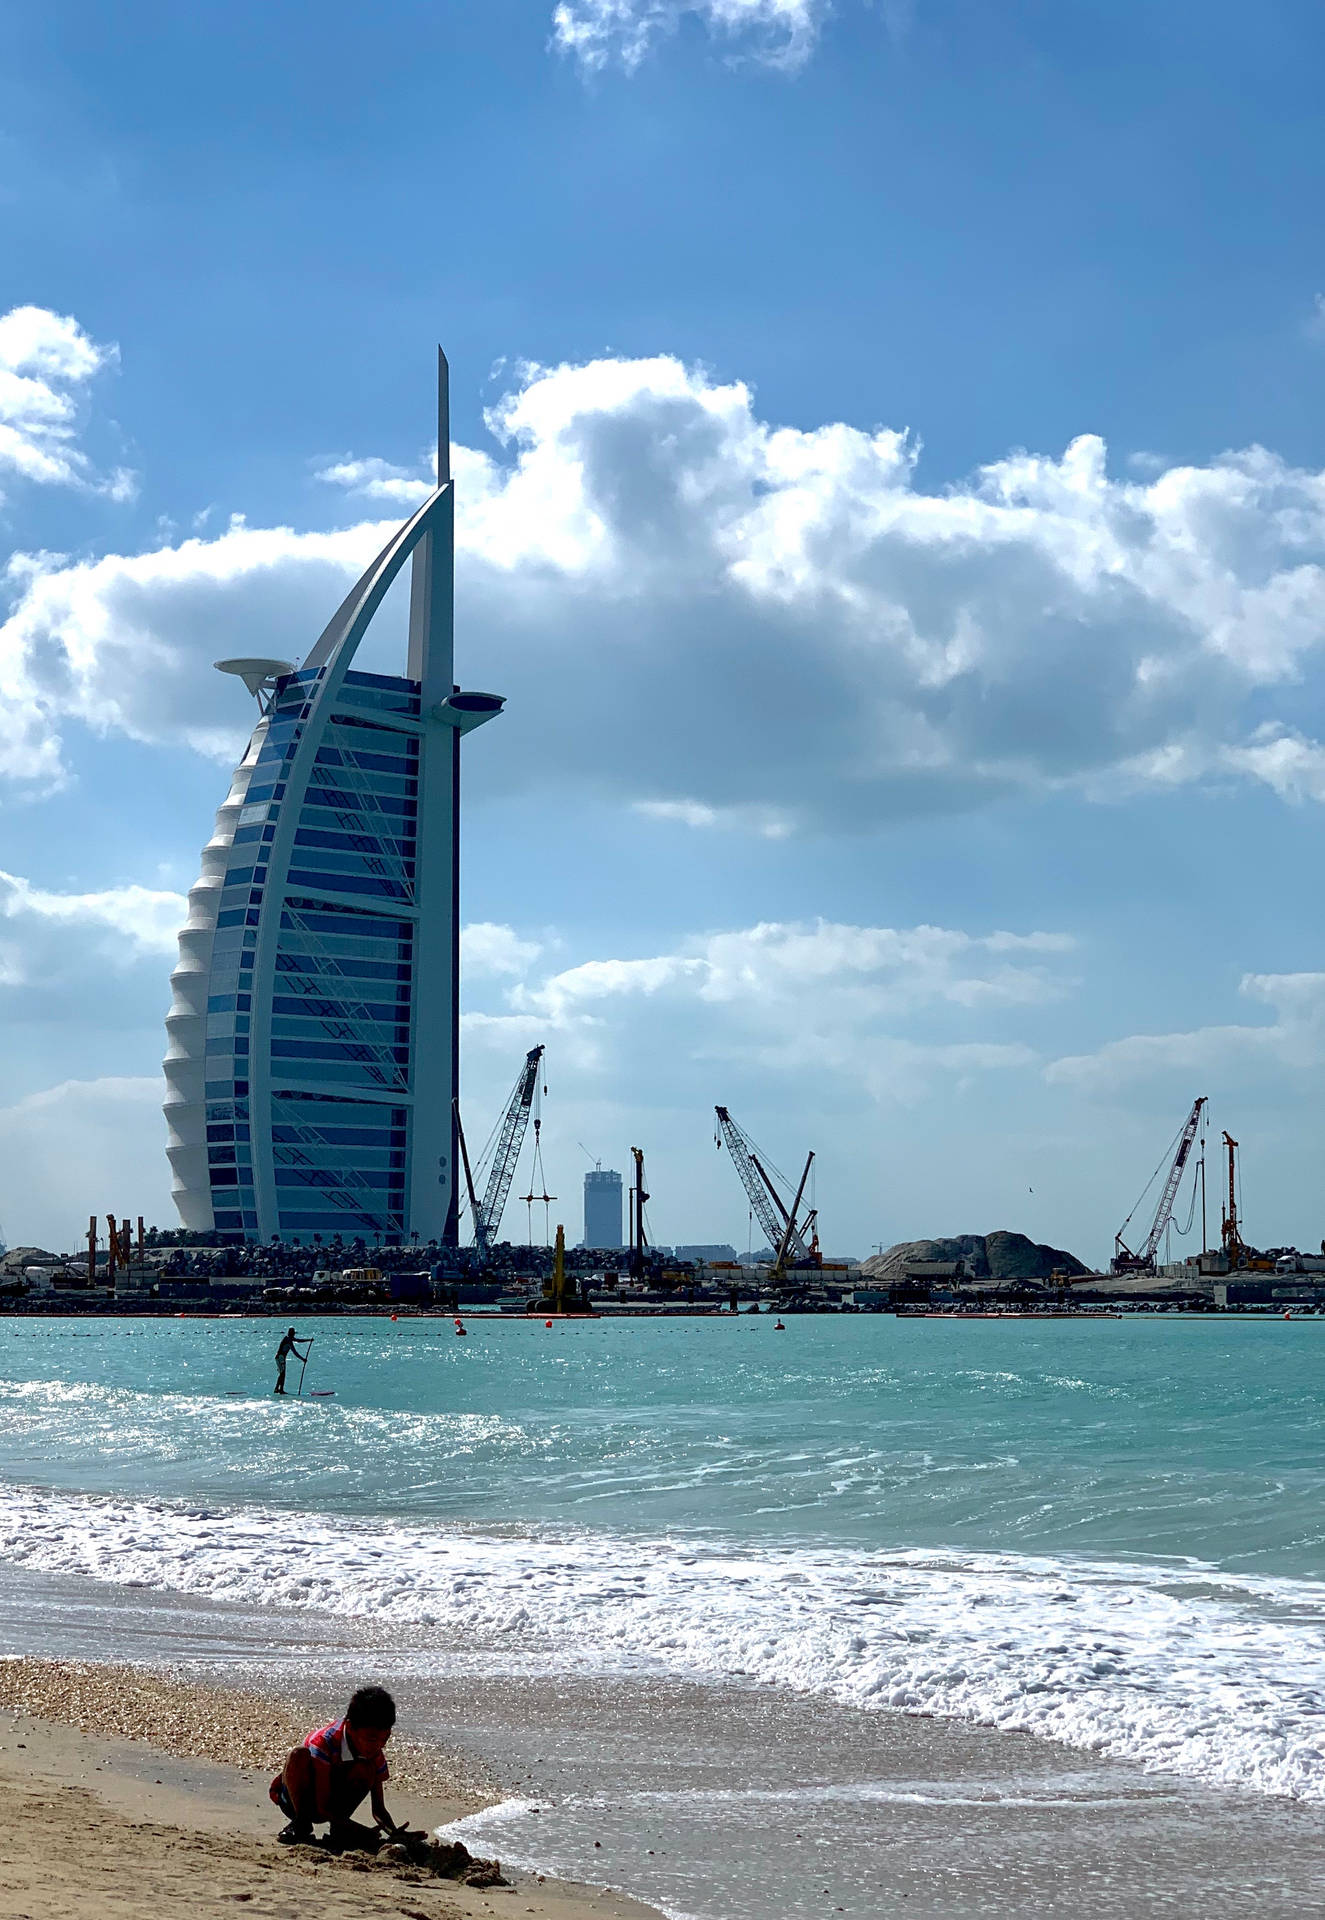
(1107, 1532)
(1172, 1438)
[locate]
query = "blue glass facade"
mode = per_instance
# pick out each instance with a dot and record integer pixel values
(336, 1025)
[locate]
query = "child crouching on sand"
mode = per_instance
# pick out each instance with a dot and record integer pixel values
(327, 1777)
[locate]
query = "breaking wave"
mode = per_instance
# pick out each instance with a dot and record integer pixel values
(1179, 1668)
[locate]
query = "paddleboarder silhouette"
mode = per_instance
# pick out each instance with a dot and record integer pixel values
(289, 1345)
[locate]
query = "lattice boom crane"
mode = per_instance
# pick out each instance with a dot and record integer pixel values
(782, 1230)
(515, 1121)
(1124, 1260)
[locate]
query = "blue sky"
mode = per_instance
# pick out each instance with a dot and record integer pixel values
(890, 498)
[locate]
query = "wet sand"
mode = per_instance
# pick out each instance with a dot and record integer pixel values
(733, 1801)
(743, 1803)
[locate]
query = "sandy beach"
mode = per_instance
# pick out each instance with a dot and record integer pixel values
(135, 1792)
(136, 1795)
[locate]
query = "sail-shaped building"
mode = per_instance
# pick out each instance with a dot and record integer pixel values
(313, 1054)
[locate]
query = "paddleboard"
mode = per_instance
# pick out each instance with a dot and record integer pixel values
(321, 1393)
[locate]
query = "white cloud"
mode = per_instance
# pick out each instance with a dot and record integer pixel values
(1292, 1042)
(810, 632)
(793, 997)
(377, 480)
(730, 623)
(1284, 759)
(45, 358)
(903, 968)
(120, 923)
(768, 822)
(578, 989)
(108, 1133)
(125, 644)
(488, 949)
(690, 813)
(598, 33)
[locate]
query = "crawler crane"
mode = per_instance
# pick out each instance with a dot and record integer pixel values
(1143, 1261)
(487, 1213)
(795, 1240)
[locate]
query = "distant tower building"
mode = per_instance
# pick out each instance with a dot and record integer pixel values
(314, 1051)
(602, 1209)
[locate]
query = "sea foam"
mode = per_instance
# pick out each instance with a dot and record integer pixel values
(1173, 1667)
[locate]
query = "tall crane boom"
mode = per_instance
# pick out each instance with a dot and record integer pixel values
(510, 1139)
(781, 1229)
(1124, 1259)
(639, 1239)
(1230, 1230)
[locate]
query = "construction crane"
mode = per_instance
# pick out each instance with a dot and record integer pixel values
(1143, 1261)
(487, 1213)
(794, 1240)
(1230, 1229)
(639, 1239)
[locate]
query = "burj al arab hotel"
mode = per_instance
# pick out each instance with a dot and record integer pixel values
(313, 1052)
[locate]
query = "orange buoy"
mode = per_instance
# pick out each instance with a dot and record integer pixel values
(779, 1328)
(395, 1316)
(1288, 1316)
(548, 1325)
(460, 1331)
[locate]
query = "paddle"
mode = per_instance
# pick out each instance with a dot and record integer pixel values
(307, 1350)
